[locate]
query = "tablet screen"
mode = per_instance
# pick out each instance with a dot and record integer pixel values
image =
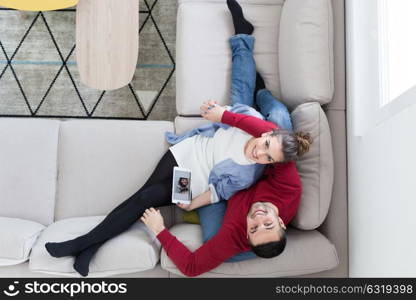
(181, 185)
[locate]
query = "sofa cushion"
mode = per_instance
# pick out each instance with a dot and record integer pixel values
(316, 167)
(28, 171)
(132, 251)
(104, 162)
(183, 124)
(306, 52)
(17, 237)
(306, 252)
(203, 53)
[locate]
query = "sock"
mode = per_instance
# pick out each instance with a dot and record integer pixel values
(259, 85)
(62, 249)
(241, 25)
(83, 259)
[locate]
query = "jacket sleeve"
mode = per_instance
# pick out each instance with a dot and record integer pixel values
(210, 255)
(227, 178)
(252, 125)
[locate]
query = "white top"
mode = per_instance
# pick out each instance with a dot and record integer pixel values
(200, 154)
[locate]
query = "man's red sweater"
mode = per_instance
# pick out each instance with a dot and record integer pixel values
(280, 185)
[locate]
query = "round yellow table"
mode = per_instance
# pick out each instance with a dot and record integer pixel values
(38, 5)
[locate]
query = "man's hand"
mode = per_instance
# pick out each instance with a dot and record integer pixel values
(153, 220)
(210, 110)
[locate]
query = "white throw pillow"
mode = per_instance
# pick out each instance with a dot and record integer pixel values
(134, 250)
(316, 167)
(17, 237)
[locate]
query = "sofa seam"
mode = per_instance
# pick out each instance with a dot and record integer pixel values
(57, 172)
(331, 79)
(35, 240)
(334, 249)
(320, 167)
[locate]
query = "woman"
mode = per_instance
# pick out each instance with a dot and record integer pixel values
(245, 80)
(202, 155)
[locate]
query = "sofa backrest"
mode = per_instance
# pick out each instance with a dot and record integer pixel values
(203, 53)
(103, 162)
(28, 156)
(294, 51)
(306, 52)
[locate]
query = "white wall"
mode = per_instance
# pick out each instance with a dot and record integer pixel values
(382, 198)
(381, 160)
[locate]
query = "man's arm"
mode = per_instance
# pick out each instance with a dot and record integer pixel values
(205, 258)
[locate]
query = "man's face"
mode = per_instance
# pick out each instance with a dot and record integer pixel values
(263, 223)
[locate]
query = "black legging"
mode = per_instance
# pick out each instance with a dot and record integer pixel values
(156, 192)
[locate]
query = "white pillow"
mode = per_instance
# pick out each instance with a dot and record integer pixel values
(316, 167)
(17, 237)
(132, 251)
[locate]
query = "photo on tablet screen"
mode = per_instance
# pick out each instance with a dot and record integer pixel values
(181, 190)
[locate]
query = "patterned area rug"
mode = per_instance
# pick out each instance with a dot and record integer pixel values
(39, 75)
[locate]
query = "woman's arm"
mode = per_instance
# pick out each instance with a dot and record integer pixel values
(252, 125)
(201, 200)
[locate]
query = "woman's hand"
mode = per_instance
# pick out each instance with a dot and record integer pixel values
(201, 200)
(187, 207)
(153, 220)
(210, 110)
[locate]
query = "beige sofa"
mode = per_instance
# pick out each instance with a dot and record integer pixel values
(60, 178)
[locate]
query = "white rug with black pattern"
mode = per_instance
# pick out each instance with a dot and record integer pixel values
(39, 75)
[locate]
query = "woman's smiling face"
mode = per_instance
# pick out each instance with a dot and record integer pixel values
(266, 149)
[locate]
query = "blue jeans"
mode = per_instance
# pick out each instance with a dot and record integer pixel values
(243, 81)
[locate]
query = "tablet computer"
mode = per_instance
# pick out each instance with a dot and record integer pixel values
(181, 186)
